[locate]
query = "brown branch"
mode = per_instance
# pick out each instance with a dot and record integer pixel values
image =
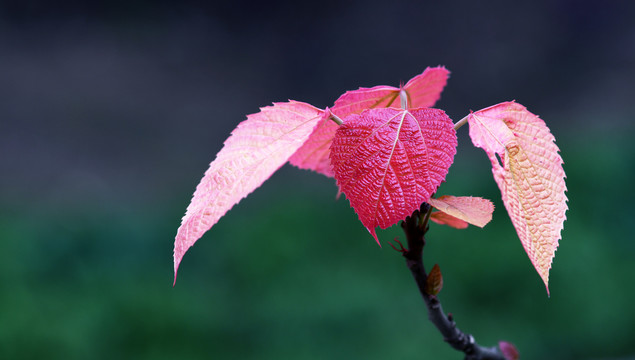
(415, 227)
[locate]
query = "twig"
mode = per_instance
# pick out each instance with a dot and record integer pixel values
(415, 227)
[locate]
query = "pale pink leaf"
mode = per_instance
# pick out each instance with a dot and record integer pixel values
(314, 154)
(529, 175)
(474, 210)
(388, 161)
(422, 90)
(257, 148)
(442, 218)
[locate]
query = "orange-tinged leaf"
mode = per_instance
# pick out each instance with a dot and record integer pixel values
(442, 218)
(257, 148)
(529, 175)
(356, 101)
(474, 210)
(388, 161)
(422, 90)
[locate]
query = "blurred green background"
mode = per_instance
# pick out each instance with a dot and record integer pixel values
(110, 112)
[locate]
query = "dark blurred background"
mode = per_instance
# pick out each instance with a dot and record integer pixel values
(110, 112)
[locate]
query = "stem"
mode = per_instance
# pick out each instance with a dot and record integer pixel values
(336, 119)
(460, 123)
(404, 99)
(415, 227)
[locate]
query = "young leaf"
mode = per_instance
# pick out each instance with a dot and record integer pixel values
(442, 218)
(434, 282)
(254, 151)
(509, 350)
(474, 210)
(389, 161)
(356, 101)
(529, 175)
(422, 90)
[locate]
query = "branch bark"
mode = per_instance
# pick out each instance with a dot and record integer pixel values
(415, 227)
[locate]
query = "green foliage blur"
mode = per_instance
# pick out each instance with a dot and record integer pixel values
(290, 273)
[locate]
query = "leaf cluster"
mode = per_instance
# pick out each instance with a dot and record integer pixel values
(389, 150)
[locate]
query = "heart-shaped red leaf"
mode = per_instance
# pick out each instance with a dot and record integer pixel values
(422, 90)
(388, 161)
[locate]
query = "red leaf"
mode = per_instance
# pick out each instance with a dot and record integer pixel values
(254, 151)
(389, 161)
(442, 218)
(530, 178)
(422, 90)
(434, 281)
(474, 210)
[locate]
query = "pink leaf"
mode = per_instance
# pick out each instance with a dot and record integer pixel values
(389, 161)
(474, 210)
(422, 90)
(529, 175)
(442, 218)
(314, 154)
(356, 101)
(254, 151)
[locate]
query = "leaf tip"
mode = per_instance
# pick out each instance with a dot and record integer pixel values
(444, 69)
(180, 248)
(177, 262)
(374, 234)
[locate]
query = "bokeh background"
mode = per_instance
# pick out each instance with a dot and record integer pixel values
(110, 112)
